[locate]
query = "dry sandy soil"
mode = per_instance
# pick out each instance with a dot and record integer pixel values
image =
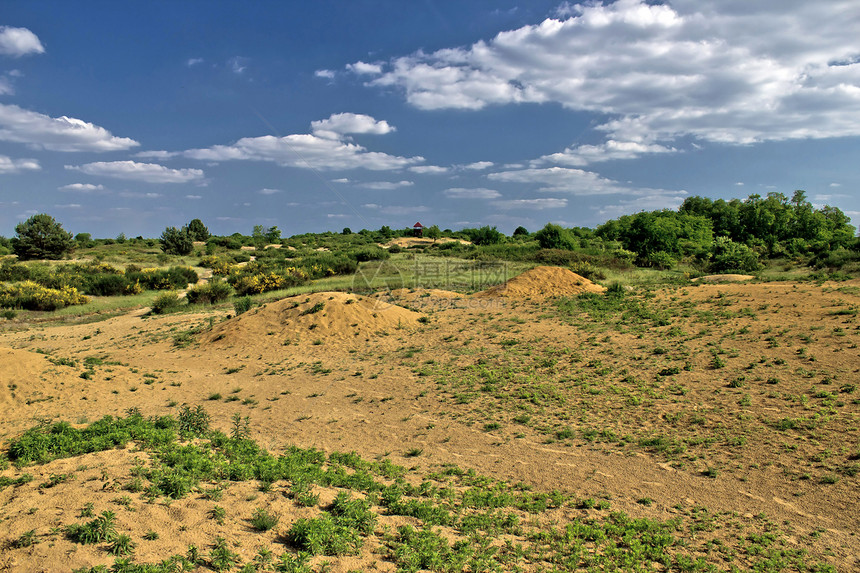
(740, 398)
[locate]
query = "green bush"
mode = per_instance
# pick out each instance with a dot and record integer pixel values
(243, 304)
(209, 293)
(166, 302)
(731, 256)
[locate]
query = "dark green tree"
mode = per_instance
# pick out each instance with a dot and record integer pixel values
(176, 241)
(555, 237)
(521, 232)
(198, 230)
(41, 237)
(484, 236)
(433, 232)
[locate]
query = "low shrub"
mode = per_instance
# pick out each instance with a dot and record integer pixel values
(166, 302)
(209, 293)
(28, 295)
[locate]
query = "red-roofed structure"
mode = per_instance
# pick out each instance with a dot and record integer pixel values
(418, 229)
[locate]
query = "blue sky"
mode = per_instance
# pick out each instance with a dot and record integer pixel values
(128, 117)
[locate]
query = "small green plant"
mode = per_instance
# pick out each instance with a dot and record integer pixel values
(314, 309)
(26, 539)
(150, 535)
(218, 513)
(262, 520)
(220, 557)
(193, 422)
(99, 530)
(122, 545)
(413, 452)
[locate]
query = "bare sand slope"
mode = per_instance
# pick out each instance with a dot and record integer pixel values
(330, 316)
(542, 283)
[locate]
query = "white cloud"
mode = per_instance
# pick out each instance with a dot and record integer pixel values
(9, 165)
(327, 74)
(582, 155)
(82, 187)
(146, 172)
(19, 42)
(238, 64)
(535, 204)
(386, 185)
(191, 62)
(331, 151)
(268, 191)
(718, 71)
(68, 206)
(340, 124)
(362, 68)
(6, 87)
(656, 200)
(479, 165)
(337, 216)
(157, 154)
(57, 133)
(562, 179)
(429, 169)
(340, 180)
(835, 185)
(478, 193)
(194, 197)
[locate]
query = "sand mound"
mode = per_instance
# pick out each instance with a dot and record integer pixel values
(724, 278)
(307, 318)
(541, 283)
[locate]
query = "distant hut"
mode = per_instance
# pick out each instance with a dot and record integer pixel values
(418, 229)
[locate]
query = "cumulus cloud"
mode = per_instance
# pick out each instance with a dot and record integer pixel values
(9, 165)
(18, 42)
(364, 68)
(728, 72)
(326, 74)
(429, 169)
(328, 148)
(562, 179)
(583, 155)
(82, 187)
(533, 204)
(146, 172)
(479, 165)
(57, 133)
(340, 124)
(386, 185)
(477, 193)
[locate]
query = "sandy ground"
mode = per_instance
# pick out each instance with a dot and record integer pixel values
(349, 377)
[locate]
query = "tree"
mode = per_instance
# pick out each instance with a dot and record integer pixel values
(176, 241)
(521, 232)
(484, 236)
(41, 237)
(273, 234)
(433, 233)
(555, 237)
(198, 230)
(346, 231)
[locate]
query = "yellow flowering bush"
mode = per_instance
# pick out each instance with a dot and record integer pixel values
(33, 296)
